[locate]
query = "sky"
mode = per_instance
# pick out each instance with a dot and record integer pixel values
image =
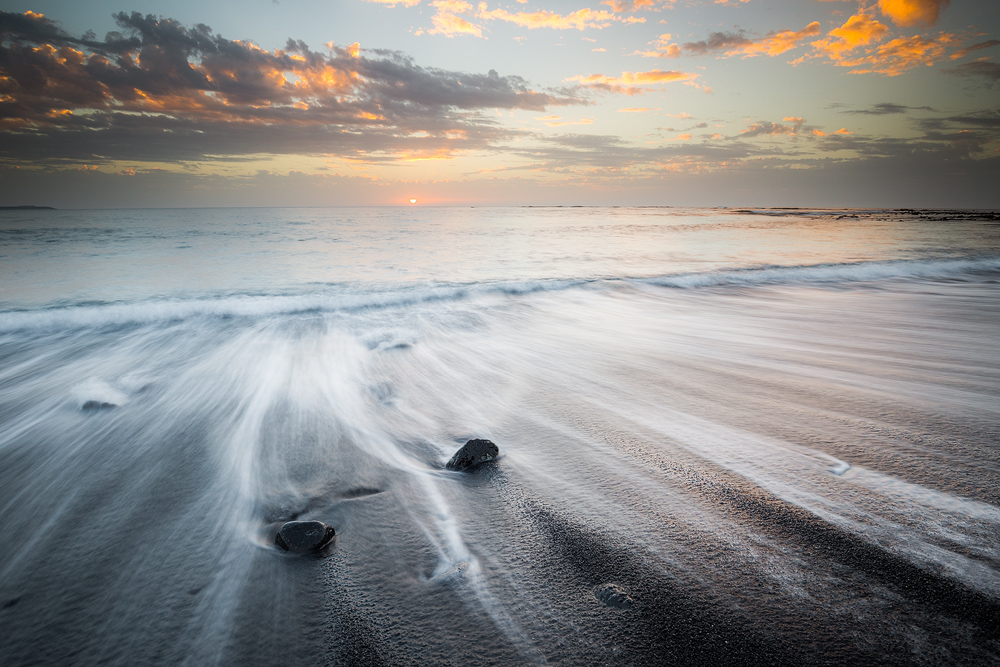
(136, 103)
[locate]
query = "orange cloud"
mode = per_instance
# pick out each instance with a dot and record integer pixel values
(912, 12)
(452, 6)
(628, 83)
(734, 44)
(634, 110)
(856, 44)
(901, 54)
(581, 19)
(859, 30)
(227, 97)
(662, 49)
(447, 22)
(778, 43)
(450, 25)
(843, 130)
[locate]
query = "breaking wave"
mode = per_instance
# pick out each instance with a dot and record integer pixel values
(346, 299)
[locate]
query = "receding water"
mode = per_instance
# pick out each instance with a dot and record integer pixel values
(777, 431)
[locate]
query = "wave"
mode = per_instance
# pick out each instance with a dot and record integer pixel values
(921, 269)
(91, 315)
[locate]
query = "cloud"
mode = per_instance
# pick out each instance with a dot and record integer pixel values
(447, 22)
(970, 135)
(158, 90)
(961, 53)
(779, 42)
(735, 44)
(663, 48)
(590, 154)
(628, 82)
(856, 44)
(581, 19)
(767, 128)
(982, 68)
(912, 12)
(717, 41)
(981, 119)
(944, 138)
(859, 30)
(885, 108)
(901, 54)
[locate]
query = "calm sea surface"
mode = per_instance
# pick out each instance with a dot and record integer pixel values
(776, 431)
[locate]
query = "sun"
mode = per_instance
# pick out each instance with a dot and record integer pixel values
(412, 200)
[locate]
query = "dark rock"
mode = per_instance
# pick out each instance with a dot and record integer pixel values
(613, 595)
(473, 453)
(304, 536)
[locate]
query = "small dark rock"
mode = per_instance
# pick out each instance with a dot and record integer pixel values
(473, 453)
(613, 595)
(304, 536)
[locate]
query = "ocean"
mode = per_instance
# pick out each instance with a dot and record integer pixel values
(774, 432)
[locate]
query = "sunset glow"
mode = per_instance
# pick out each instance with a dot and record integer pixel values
(649, 101)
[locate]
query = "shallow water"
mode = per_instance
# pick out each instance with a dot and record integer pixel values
(776, 431)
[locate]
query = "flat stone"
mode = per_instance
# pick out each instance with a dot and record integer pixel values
(472, 454)
(304, 536)
(614, 596)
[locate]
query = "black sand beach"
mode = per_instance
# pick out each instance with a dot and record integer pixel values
(753, 466)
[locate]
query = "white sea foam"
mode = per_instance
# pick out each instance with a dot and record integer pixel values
(347, 300)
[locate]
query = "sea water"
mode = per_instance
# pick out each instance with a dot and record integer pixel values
(775, 430)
